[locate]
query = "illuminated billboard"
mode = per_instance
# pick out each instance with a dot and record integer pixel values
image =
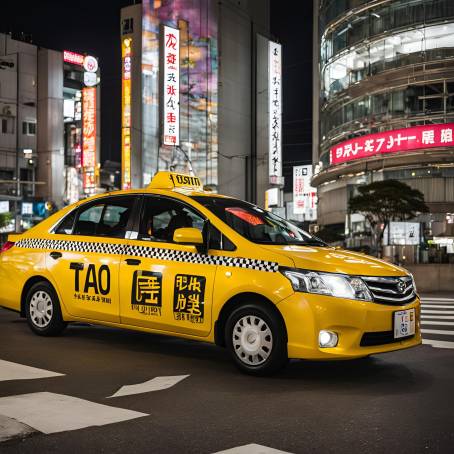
(398, 140)
(275, 108)
(197, 23)
(170, 86)
(89, 138)
(126, 113)
(73, 58)
(304, 195)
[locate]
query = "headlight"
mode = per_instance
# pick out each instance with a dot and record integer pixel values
(339, 285)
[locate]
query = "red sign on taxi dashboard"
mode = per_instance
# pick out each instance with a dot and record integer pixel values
(398, 140)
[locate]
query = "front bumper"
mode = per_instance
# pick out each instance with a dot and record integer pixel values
(306, 314)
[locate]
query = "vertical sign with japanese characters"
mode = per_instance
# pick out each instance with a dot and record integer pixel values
(126, 113)
(89, 138)
(304, 195)
(170, 86)
(275, 108)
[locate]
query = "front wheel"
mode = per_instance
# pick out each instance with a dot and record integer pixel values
(43, 310)
(255, 336)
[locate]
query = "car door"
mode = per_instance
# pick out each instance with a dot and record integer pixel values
(164, 285)
(84, 257)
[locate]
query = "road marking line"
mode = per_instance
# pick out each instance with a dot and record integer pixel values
(437, 317)
(439, 306)
(252, 449)
(10, 428)
(50, 413)
(423, 311)
(155, 384)
(438, 344)
(437, 299)
(437, 331)
(429, 322)
(15, 371)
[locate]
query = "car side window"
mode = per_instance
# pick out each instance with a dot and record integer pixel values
(108, 217)
(66, 226)
(161, 216)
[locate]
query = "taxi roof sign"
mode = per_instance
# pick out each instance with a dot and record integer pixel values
(173, 180)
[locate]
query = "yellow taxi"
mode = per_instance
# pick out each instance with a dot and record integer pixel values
(175, 259)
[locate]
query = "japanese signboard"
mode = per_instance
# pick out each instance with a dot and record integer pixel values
(304, 195)
(170, 86)
(398, 140)
(402, 233)
(126, 113)
(275, 108)
(89, 137)
(73, 58)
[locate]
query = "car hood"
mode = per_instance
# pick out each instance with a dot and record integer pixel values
(336, 261)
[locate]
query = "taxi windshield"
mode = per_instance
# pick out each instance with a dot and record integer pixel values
(256, 224)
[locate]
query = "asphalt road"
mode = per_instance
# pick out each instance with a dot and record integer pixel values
(399, 402)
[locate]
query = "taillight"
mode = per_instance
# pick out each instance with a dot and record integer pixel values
(8, 245)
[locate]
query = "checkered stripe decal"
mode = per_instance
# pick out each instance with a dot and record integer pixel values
(149, 252)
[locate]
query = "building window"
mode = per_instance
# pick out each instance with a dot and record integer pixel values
(28, 128)
(7, 125)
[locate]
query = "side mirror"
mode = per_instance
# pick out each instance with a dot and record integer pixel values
(188, 235)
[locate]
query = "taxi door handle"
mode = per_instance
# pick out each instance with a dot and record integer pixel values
(133, 261)
(76, 266)
(56, 255)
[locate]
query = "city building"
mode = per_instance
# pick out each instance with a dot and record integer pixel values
(384, 109)
(49, 129)
(202, 93)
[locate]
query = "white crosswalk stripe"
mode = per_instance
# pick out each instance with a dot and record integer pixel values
(61, 412)
(252, 449)
(437, 322)
(14, 371)
(155, 384)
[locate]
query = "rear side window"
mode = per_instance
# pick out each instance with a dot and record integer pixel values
(108, 217)
(66, 226)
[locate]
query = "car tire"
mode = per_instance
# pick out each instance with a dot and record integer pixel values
(42, 310)
(256, 338)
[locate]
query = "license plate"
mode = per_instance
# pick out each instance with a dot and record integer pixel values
(404, 323)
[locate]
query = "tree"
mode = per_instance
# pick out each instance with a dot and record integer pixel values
(384, 201)
(5, 218)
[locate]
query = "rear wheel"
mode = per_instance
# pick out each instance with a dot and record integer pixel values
(255, 336)
(42, 310)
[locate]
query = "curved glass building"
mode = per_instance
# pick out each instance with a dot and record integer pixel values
(384, 104)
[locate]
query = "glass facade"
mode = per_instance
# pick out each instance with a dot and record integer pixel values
(384, 66)
(381, 19)
(197, 22)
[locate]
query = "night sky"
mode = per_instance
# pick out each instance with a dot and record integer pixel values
(93, 27)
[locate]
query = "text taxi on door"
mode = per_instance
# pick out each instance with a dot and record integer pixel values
(175, 259)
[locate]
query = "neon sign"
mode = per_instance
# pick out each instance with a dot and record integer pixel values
(89, 138)
(72, 57)
(398, 140)
(126, 113)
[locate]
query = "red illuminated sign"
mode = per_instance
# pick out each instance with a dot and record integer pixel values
(72, 57)
(398, 140)
(89, 137)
